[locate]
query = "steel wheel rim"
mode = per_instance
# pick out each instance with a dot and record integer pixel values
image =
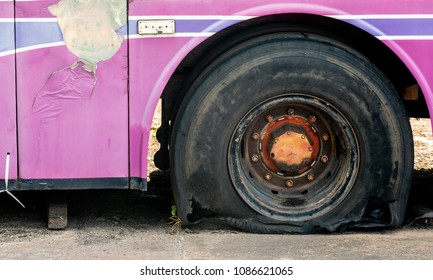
(295, 188)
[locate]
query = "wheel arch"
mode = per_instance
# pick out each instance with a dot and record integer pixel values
(389, 62)
(394, 65)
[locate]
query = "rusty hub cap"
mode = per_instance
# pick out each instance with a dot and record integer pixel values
(297, 155)
(289, 145)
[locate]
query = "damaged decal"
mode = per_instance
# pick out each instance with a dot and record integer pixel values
(89, 28)
(90, 31)
(71, 83)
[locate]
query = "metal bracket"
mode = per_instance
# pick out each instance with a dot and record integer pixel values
(156, 27)
(57, 210)
(8, 155)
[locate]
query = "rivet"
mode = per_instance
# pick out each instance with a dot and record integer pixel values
(291, 112)
(313, 119)
(268, 176)
(289, 183)
(269, 118)
(310, 149)
(325, 137)
(255, 158)
(289, 133)
(255, 136)
(324, 159)
(310, 177)
(275, 141)
(303, 136)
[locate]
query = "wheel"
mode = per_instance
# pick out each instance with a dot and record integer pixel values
(292, 132)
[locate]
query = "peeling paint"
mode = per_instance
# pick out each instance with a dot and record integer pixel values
(89, 31)
(71, 83)
(89, 28)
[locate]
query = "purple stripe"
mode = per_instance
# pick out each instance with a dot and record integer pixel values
(395, 26)
(376, 27)
(203, 25)
(192, 25)
(34, 33)
(7, 36)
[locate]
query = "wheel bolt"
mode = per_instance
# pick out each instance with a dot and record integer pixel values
(291, 112)
(303, 136)
(324, 159)
(310, 177)
(268, 176)
(310, 149)
(269, 118)
(313, 119)
(289, 183)
(325, 137)
(255, 158)
(255, 136)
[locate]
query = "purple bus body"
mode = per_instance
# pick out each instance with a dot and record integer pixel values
(63, 122)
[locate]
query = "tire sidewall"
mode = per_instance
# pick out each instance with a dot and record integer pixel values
(287, 64)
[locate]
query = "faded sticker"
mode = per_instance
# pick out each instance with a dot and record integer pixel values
(89, 28)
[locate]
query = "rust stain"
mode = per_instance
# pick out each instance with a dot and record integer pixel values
(291, 149)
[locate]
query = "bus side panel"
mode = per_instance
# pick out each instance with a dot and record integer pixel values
(160, 53)
(417, 54)
(8, 141)
(73, 115)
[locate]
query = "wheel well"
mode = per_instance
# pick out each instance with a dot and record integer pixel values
(199, 58)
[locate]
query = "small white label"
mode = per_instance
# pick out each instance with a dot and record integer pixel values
(156, 27)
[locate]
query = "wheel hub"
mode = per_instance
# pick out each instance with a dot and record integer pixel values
(286, 160)
(289, 146)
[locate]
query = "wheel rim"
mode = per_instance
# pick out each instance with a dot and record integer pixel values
(293, 157)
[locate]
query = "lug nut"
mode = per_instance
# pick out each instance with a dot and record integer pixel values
(269, 118)
(324, 159)
(325, 137)
(310, 149)
(291, 112)
(289, 183)
(268, 176)
(255, 136)
(310, 177)
(303, 136)
(313, 119)
(255, 158)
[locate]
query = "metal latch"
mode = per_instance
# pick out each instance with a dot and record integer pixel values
(156, 27)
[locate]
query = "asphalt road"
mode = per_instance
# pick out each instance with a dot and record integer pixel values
(134, 225)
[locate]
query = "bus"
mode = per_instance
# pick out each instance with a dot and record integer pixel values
(277, 116)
